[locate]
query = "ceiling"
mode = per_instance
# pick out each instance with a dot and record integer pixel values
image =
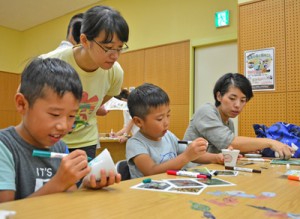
(24, 14)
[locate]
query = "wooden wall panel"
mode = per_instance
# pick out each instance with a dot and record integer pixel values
(9, 118)
(113, 120)
(179, 119)
(261, 25)
(293, 107)
(262, 109)
(292, 8)
(168, 67)
(8, 88)
(133, 64)
(264, 24)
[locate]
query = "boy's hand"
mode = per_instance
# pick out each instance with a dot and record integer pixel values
(104, 181)
(196, 149)
(72, 168)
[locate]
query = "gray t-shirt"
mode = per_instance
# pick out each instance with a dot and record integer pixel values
(207, 123)
(160, 151)
(19, 170)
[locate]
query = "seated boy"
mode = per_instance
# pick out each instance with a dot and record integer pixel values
(154, 149)
(47, 99)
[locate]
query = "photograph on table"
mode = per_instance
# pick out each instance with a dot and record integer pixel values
(224, 172)
(202, 170)
(215, 182)
(180, 183)
(284, 162)
(181, 186)
(189, 190)
(153, 185)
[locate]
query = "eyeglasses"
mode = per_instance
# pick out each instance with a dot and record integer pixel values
(112, 51)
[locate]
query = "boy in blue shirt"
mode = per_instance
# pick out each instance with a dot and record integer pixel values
(154, 149)
(47, 99)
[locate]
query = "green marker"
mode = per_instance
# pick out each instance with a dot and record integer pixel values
(40, 153)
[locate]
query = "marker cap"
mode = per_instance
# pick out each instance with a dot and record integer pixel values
(171, 172)
(147, 180)
(291, 177)
(201, 176)
(38, 153)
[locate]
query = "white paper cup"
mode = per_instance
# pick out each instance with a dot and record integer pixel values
(102, 161)
(230, 157)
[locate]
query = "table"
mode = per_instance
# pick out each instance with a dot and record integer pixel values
(119, 201)
(117, 150)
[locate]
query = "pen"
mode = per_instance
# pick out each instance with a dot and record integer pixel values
(291, 177)
(188, 142)
(243, 169)
(40, 153)
(184, 142)
(254, 159)
(186, 173)
(208, 175)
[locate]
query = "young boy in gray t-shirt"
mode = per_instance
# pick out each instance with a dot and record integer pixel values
(155, 149)
(47, 99)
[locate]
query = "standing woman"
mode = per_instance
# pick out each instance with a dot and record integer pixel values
(104, 33)
(213, 122)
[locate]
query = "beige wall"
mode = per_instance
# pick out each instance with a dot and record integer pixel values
(10, 49)
(151, 23)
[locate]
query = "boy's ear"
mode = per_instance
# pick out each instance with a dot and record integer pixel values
(21, 103)
(137, 121)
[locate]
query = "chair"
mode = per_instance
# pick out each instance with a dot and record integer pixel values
(123, 169)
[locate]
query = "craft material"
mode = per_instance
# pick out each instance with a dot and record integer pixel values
(243, 169)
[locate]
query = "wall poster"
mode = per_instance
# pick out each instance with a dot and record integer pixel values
(260, 68)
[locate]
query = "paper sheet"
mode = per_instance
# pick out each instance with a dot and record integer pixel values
(115, 104)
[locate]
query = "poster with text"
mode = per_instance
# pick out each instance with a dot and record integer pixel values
(260, 68)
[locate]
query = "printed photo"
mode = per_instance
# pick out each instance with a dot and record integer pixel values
(214, 182)
(202, 170)
(192, 191)
(225, 173)
(153, 185)
(183, 187)
(184, 183)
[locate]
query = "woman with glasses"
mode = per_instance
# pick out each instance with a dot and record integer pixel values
(213, 122)
(104, 33)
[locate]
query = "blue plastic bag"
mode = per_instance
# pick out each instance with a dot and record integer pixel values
(280, 131)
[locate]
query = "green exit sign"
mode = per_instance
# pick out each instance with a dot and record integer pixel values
(222, 18)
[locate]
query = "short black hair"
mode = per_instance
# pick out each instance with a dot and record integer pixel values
(145, 97)
(235, 80)
(41, 74)
(123, 95)
(107, 19)
(77, 18)
(76, 31)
